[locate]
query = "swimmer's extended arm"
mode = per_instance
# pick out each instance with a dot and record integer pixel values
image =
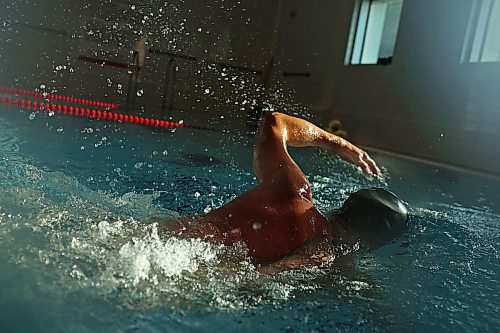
(278, 130)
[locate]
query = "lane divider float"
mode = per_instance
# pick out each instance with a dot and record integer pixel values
(54, 97)
(49, 107)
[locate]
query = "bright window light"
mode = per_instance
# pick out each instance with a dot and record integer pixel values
(482, 43)
(374, 28)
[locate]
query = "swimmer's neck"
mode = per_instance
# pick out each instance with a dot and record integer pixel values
(340, 233)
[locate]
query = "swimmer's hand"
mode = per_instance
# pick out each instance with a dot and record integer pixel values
(296, 132)
(354, 155)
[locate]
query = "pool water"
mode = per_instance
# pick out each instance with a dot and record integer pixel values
(78, 252)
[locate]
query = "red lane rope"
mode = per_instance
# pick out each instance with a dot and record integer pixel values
(54, 97)
(91, 113)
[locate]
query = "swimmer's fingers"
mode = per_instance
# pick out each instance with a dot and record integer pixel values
(360, 158)
(367, 164)
(370, 164)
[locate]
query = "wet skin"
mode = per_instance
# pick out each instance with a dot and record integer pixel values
(277, 217)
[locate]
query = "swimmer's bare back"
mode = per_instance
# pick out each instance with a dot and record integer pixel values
(277, 217)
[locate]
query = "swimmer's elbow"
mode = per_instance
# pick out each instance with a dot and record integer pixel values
(270, 118)
(270, 126)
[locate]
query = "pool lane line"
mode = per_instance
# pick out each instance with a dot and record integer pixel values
(93, 114)
(107, 62)
(55, 97)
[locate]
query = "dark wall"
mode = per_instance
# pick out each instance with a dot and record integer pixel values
(426, 103)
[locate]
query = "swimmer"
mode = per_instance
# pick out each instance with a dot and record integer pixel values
(277, 220)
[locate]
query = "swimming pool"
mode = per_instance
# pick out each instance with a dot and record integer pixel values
(77, 253)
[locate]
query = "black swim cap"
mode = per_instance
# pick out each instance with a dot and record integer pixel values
(376, 214)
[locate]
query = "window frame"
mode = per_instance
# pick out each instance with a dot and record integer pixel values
(358, 32)
(478, 30)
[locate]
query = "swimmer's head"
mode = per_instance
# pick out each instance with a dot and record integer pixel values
(375, 214)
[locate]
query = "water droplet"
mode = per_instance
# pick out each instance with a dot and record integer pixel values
(197, 194)
(60, 129)
(140, 92)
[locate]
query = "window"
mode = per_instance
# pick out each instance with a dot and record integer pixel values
(481, 40)
(373, 33)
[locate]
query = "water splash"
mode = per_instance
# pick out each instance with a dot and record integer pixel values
(83, 239)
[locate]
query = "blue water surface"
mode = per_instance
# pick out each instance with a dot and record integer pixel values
(77, 253)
